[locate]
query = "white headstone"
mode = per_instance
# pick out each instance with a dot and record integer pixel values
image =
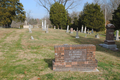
(54, 27)
(42, 24)
(67, 29)
(45, 24)
(46, 29)
(88, 31)
(82, 29)
(77, 34)
(117, 36)
(32, 38)
(30, 31)
(85, 30)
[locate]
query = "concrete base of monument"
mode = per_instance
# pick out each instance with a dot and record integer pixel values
(77, 37)
(112, 46)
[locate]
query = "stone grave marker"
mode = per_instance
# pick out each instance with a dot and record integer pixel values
(54, 27)
(75, 58)
(109, 42)
(67, 29)
(82, 29)
(46, 29)
(85, 30)
(117, 36)
(92, 31)
(42, 24)
(30, 31)
(97, 36)
(77, 34)
(71, 30)
(32, 38)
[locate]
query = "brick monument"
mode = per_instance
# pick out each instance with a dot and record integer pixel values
(109, 42)
(75, 58)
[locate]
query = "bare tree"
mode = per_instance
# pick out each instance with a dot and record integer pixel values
(69, 4)
(108, 7)
(28, 16)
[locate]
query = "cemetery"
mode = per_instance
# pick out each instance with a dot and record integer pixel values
(23, 58)
(60, 44)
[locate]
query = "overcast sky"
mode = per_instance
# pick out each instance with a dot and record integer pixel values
(40, 12)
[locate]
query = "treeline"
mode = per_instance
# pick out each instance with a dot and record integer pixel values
(11, 10)
(91, 17)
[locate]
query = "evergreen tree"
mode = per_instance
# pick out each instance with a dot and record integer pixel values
(75, 23)
(116, 18)
(11, 10)
(68, 19)
(58, 15)
(93, 17)
(80, 23)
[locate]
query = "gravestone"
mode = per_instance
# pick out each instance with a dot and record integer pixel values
(45, 25)
(67, 29)
(77, 34)
(82, 29)
(85, 30)
(54, 27)
(97, 36)
(30, 31)
(42, 24)
(32, 38)
(46, 29)
(71, 30)
(92, 31)
(109, 42)
(75, 58)
(117, 36)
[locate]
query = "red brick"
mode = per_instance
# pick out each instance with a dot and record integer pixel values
(62, 53)
(74, 63)
(67, 65)
(86, 62)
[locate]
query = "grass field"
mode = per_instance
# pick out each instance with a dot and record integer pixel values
(24, 59)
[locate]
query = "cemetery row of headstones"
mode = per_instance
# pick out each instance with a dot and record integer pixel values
(30, 31)
(81, 57)
(45, 26)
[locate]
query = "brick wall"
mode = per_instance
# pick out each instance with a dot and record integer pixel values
(89, 62)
